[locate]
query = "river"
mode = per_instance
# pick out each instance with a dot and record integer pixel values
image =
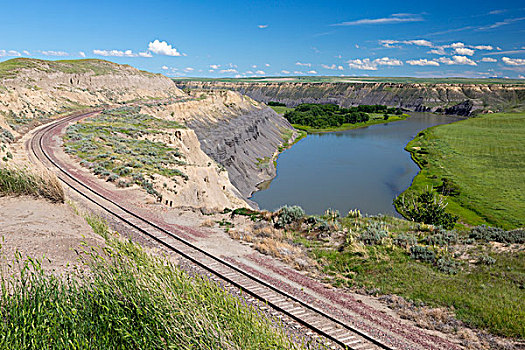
(363, 168)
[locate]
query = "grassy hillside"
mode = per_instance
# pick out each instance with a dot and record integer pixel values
(485, 158)
(126, 298)
(332, 79)
(10, 68)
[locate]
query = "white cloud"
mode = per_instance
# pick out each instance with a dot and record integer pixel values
(484, 47)
(438, 51)
(229, 70)
(464, 51)
(262, 26)
(215, 66)
(394, 18)
(513, 61)
(162, 48)
(285, 72)
(298, 72)
(502, 23)
(189, 69)
(267, 65)
(457, 60)
(165, 67)
(364, 64)
(303, 64)
(422, 62)
(312, 72)
(260, 72)
(82, 54)
(419, 42)
(332, 67)
(488, 59)
(385, 61)
(456, 45)
(4, 53)
(356, 46)
(54, 53)
(118, 53)
(254, 66)
(27, 53)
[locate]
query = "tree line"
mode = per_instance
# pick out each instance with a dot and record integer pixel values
(331, 115)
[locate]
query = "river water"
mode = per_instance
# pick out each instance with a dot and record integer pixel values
(363, 168)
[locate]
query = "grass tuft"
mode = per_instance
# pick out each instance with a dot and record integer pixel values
(18, 182)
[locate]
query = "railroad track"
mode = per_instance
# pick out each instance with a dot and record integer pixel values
(317, 321)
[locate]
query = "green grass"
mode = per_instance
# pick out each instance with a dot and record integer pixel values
(112, 145)
(374, 119)
(281, 109)
(126, 298)
(10, 68)
(484, 296)
(485, 157)
(22, 182)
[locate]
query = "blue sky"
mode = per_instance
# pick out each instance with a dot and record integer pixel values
(256, 38)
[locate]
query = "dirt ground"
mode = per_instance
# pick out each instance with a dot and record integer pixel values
(45, 231)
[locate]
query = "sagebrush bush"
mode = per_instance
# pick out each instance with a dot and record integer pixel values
(496, 234)
(405, 240)
(442, 238)
(422, 253)
(373, 234)
(447, 265)
(288, 215)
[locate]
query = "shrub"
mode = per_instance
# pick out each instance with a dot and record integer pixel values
(442, 238)
(288, 215)
(422, 253)
(373, 234)
(16, 182)
(448, 188)
(486, 260)
(447, 265)
(405, 240)
(426, 207)
(495, 234)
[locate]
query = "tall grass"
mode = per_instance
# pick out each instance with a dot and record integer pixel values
(126, 299)
(19, 181)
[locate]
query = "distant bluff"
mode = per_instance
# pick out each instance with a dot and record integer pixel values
(459, 99)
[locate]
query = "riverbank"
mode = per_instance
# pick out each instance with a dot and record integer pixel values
(484, 158)
(374, 120)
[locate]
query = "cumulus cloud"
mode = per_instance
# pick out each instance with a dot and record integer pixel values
(394, 18)
(364, 64)
(488, 59)
(303, 64)
(13, 53)
(118, 53)
(332, 67)
(312, 72)
(54, 53)
(27, 53)
(189, 69)
(165, 67)
(162, 48)
(260, 72)
(457, 60)
(215, 66)
(417, 42)
(484, 47)
(229, 70)
(385, 61)
(464, 51)
(298, 72)
(422, 62)
(438, 51)
(513, 61)
(262, 26)
(82, 54)
(267, 65)
(456, 45)
(285, 72)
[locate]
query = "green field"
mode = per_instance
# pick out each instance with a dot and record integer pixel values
(485, 157)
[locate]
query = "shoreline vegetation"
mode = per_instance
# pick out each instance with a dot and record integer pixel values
(477, 164)
(321, 118)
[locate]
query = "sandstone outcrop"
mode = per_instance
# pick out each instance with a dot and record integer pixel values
(461, 99)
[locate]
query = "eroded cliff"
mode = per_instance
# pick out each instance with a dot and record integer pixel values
(460, 99)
